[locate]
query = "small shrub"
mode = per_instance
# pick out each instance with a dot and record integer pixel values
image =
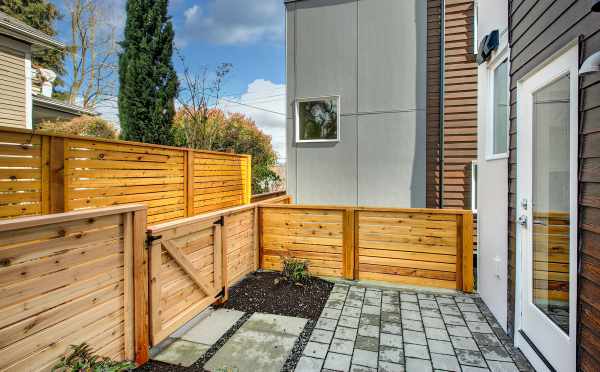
(295, 270)
(82, 359)
(88, 126)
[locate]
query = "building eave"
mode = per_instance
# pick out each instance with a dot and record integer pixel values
(18, 30)
(52, 104)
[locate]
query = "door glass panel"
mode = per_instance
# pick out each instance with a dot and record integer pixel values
(551, 201)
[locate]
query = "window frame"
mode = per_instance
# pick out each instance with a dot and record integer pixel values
(297, 102)
(498, 60)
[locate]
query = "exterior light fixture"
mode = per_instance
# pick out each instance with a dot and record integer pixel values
(595, 5)
(592, 63)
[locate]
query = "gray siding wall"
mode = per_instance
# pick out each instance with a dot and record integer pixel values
(372, 53)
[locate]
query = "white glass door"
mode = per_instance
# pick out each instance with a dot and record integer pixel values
(547, 219)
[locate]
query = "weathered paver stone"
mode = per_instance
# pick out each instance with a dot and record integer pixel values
(390, 367)
(418, 365)
(307, 364)
(321, 335)
(315, 350)
(342, 346)
(416, 351)
(367, 343)
(182, 353)
(440, 347)
(391, 354)
(365, 358)
(445, 362)
(466, 343)
(391, 340)
(210, 329)
(502, 366)
(470, 357)
(263, 343)
(337, 362)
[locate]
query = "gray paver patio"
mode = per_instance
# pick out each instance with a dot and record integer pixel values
(263, 343)
(364, 328)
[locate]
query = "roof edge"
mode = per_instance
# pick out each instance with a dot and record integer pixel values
(21, 31)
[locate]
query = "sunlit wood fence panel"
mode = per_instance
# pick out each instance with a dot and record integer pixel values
(42, 174)
(427, 247)
(100, 174)
(22, 173)
(219, 181)
(311, 234)
(241, 244)
(66, 279)
(419, 247)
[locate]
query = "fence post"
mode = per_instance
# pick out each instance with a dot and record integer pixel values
(248, 183)
(140, 290)
(189, 182)
(467, 251)
(348, 244)
(221, 245)
(45, 191)
(57, 175)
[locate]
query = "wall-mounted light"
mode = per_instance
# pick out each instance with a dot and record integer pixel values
(595, 5)
(591, 64)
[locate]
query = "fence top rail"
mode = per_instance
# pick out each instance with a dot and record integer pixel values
(49, 219)
(117, 142)
(212, 215)
(366, 209)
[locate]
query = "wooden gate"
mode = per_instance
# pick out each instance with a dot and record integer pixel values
(186, 272)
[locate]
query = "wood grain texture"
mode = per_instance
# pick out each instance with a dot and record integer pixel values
(51, 173)
(67, 279)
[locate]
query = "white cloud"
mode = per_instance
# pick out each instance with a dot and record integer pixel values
(235, 21)
(270, 100)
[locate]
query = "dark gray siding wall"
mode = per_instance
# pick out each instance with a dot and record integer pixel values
(538, 29)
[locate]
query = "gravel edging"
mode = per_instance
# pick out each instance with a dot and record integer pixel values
(299, 346)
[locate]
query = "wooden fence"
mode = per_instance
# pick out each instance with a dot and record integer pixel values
(427, 247)
(71, 278)
(85, 276)
(41, 174)
(194, 260)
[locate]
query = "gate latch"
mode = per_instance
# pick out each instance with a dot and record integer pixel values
(151, 239)
(221, 221)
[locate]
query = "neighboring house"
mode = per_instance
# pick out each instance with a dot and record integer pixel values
(24, 104)
(368, 59)
(538, 178)
(369, 85)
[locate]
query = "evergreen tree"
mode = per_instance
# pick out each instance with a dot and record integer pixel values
(147, 80)
(41, 15)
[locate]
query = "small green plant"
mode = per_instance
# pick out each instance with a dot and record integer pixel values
(295, 270)
(82, 359)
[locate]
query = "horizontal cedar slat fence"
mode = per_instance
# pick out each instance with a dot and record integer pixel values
(71, 278)
(41, 174)
(194, 260)
(426, 247)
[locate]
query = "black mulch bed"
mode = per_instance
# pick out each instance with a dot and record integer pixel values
(260, 292)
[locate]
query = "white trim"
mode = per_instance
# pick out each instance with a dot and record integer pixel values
(28, 92)
(297, 119)
(562, 351)
(499, 58)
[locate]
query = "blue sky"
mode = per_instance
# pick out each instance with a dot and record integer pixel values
(246, 33)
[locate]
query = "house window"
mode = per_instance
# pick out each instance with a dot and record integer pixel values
(498, 146)
(317, 119)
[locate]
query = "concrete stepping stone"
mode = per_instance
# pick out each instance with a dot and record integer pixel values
(182, 353)
(210, 329)
(263, 343)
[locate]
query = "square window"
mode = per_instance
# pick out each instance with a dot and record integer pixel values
(317, 119)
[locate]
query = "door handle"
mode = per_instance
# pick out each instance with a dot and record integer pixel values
(522, 220)
(539, 222)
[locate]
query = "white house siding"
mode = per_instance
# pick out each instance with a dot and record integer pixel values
(372, 54)
(492, 181)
